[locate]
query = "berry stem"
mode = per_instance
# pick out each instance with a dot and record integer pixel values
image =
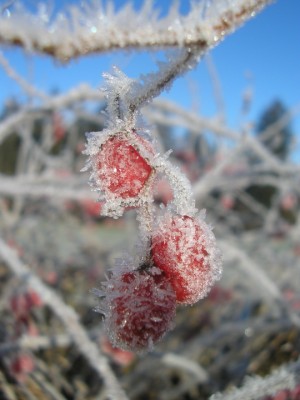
(145, 215)
(161, 79)
(182, 190)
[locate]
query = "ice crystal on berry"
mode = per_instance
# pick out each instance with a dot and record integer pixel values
(139, 308)
(121, 164)
(185, 249)
(122, 170)
(179, 261)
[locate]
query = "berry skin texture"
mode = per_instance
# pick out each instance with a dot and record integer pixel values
(122, 170)
(21, 366)
(139, 308)
(184, 248)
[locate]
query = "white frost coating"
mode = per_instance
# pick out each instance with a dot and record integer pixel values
(139, 307)
(257, 387)
(117, 88)
(183, 202)
(97, 151)
(94, 27)
(185, 249)
(124, 97)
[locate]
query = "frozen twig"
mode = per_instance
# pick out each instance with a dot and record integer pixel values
(217, 88)
(185, 364)
(29, 89)
(257, 387)
(264, 283)
(94, 29)
(160, 110)
(80, 93)
(55, 189)
(168, 72)
(43, 341)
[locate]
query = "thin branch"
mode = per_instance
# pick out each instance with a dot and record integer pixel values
(56, 189)
(167, 73)
(39, 342)
(264, 282)
(80, 93)
(257, 387)
(216, 86)
(29, 89)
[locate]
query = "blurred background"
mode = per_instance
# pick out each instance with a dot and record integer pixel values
(233, 125)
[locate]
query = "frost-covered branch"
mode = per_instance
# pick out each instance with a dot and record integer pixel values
(55, 189)
(257, 387)
(155, 83)
(96, 28)
(29, 89)
(80, 93)
(265, 285)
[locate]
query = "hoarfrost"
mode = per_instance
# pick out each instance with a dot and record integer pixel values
(139, 308)
(185, 249)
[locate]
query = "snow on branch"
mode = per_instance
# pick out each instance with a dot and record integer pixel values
(96, 28)
(80, 93)
(257, 387)
(32, 91)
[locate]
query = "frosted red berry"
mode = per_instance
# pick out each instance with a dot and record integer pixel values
(139, 308)
(123, 172)
(21, 366)
(184, 248)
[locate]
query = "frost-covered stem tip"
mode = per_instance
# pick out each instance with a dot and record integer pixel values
(164, 77)
(257, 387)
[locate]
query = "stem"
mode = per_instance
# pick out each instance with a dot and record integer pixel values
(161, 80)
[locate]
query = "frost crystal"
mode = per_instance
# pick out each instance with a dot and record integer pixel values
(122, 170)
(139, 308)
(185, 249)
(180, 261)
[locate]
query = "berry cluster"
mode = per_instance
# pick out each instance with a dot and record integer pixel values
(179, 262)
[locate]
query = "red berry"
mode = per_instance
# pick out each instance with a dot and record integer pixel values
(139, 307)
(184, 248)
(295, 393)
(282, 395)
(22, 303)
(122, 170)
(33, 299)
(92, 208)
(19, 305)
(22, 365)
(58, 128)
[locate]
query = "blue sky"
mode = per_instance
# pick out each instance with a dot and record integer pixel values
(264, 54)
